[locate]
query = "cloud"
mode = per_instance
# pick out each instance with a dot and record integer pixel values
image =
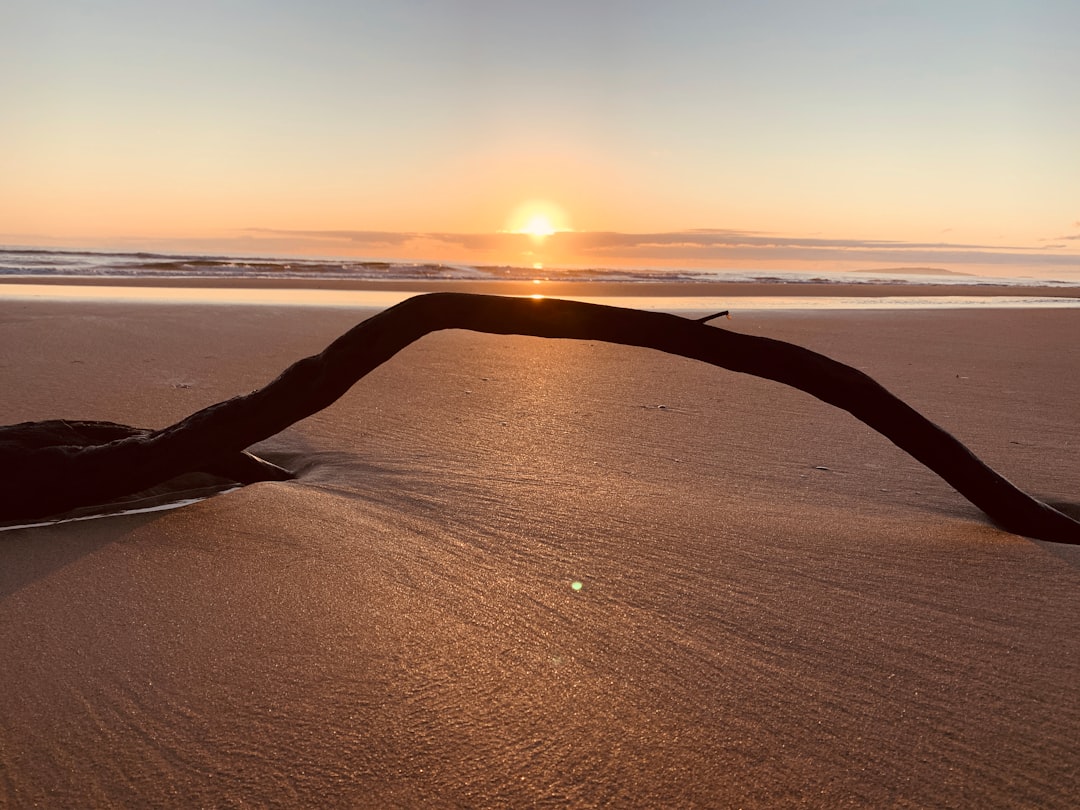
(357, 237)
(600, 240)
(709, 238)
(712, 245)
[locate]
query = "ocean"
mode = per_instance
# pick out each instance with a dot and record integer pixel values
(118, 265)
(62, 274)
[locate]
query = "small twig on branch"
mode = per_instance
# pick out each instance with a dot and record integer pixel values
(707, 318)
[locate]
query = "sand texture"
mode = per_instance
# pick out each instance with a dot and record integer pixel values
(777, 607)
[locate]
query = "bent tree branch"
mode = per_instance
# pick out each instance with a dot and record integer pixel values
(53, 478)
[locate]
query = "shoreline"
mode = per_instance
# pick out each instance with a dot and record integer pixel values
(556, 288)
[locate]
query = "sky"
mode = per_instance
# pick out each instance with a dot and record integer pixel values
(789, 134)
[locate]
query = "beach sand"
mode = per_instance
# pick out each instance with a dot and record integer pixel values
(776, 606)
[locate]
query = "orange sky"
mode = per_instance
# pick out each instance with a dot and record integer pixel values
(819, 136)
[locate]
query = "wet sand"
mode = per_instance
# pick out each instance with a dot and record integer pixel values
(556, 287)
(776, 606)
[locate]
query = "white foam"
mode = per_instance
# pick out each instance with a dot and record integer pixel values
(161, 507)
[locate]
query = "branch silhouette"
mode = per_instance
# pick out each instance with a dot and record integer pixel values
(60, 469)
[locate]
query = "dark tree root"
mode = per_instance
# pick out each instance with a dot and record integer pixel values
(216, 475)
(240, 468)
(95, 463)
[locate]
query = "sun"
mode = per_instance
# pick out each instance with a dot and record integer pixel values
(538, 225)
(538, 219)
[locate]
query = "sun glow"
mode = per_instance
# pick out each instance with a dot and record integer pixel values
(539, 225)
(538, 219)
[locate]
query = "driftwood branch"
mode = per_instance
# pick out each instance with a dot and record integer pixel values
(55, 476)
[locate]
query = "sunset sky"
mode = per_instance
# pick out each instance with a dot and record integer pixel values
(797, 134)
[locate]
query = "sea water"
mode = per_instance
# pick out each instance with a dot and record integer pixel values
(21, 268)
